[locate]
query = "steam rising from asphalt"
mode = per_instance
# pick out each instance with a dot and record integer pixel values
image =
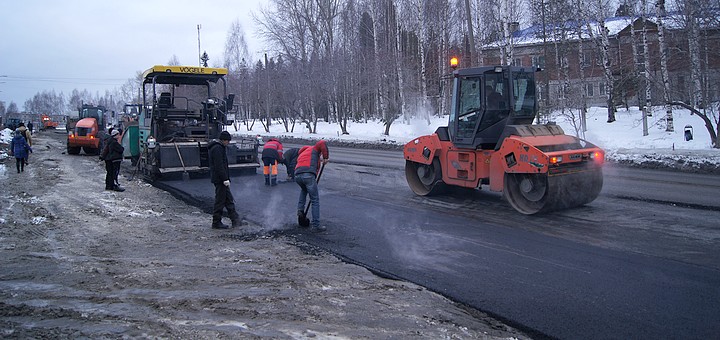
(277, 210)
(415, 245)
(274, 212)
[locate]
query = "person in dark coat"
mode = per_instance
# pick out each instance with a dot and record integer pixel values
(290, 161)
(20, 148)
(308, 163)
(272, 154)
(106, 141)
(113, 155)
(220, 177)
(28, 138)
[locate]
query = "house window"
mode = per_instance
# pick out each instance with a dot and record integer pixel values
(517, 62)
(538, 61)
(586, 59)
(598, 59)
(559, 90)
(602, 89)
(562, 61)
(589, 90)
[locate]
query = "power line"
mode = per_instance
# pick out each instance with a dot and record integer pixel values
(62, 78)
(66, 80)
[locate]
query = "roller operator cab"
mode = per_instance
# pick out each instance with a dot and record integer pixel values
(490, 140)
(184, 108)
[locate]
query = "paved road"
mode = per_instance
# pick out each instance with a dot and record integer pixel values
(642, 261)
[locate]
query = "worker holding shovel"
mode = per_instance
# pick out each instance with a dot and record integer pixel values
(307, 173)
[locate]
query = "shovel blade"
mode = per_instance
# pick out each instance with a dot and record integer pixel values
(303, 221)
(185, 176)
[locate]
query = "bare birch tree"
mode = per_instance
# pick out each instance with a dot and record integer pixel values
(647, 81)
(660, 13)
(595, 12)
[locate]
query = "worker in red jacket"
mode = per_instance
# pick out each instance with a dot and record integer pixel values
(272, 154)
(308, 164)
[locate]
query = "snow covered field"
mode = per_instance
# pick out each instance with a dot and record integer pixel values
(623, 140)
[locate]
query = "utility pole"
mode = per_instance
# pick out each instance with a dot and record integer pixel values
(199, 26)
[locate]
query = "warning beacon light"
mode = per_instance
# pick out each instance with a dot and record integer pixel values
(454, 62)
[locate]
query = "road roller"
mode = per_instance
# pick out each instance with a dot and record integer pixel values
(490, 140)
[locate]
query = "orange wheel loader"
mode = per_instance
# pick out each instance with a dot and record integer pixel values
(88, 132)
(490, 140)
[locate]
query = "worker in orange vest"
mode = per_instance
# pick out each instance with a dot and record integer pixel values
(272, 154)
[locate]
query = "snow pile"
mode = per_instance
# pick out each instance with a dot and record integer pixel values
(6, 135)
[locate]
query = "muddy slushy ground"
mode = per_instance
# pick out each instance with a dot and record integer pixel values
(81, 262)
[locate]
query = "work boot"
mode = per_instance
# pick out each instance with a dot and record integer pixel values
(237, 223)
(220, 225)
(267, 180)
(318, 229)
(119, 188)
(273, 182)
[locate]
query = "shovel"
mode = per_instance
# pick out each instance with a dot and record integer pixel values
(303, 221)
(185, 175)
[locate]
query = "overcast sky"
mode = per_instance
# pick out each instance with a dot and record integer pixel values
(98, 45)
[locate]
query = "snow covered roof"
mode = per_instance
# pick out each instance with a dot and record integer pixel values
(574, 30)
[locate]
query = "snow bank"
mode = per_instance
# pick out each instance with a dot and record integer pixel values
(623, 139)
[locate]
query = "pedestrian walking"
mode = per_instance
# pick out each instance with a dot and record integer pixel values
(308, 163)
(272, 153)
(28, 138)
(113, 156)
(20, 149)
(290, 161)
(220, 177)
(30, 127)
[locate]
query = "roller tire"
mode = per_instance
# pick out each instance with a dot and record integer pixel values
(537, 193)
(424, 179)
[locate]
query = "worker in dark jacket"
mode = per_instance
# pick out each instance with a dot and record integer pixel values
(103, 154)
(308, 163)
(220, 177)
(290, 161)
(272, 154)
(113, 156)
